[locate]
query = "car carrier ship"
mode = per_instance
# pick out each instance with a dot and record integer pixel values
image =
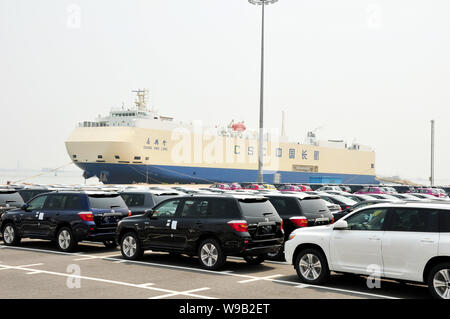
(138, 145)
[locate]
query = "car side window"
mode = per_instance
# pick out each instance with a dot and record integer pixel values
(167, 209)
(54, 202)
(37, 203)
(414, 220)
(369, 219)
(72, 202)
(445, 221)
(194, 208)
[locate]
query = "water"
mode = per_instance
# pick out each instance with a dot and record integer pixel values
(45, 177)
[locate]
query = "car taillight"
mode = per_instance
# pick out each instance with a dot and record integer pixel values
(299, 221)
(86, 216)
(340, 208)
(281, 225)
(239, 225)
(332, 221)
(129, 213)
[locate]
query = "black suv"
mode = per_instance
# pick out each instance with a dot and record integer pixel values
(140, 200)
(210, 226)
(299, 210)
(66, 217)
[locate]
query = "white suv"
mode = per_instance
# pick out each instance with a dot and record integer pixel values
(404, 241)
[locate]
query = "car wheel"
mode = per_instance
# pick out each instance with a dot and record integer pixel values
(279, 255)
(439, 281)
(65, 240)
(312, 267)
(210, 254)
(130, 246)
(255, 260)
(10, 235)
(110, 243)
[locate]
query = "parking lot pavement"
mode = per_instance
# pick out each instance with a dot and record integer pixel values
(36, 269)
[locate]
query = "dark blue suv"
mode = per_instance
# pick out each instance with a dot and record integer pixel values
(66, 217)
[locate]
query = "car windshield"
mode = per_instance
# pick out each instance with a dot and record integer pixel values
(106, 202)
(11, 198)
(133, 200)
(312, 207)
(257, 208)
(344, 200)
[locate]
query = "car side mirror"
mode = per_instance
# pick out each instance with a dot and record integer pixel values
(25, 207)
(149, 212)
(340, 225)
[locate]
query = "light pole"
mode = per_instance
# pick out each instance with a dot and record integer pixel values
(432, 154)
(262, 3)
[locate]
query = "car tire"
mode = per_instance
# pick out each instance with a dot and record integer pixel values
(10, 235)
(131, 247)
(65, 240)
(210, 254)
(312, 267)
(278, 256)
(255, 260)
(110, 243)
(439, 281)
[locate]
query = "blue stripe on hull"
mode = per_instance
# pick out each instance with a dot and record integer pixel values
(128, 174)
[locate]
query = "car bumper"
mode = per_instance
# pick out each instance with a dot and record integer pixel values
(289, 248)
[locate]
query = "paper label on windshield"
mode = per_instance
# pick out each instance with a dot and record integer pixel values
(174, 224)
(41, 216)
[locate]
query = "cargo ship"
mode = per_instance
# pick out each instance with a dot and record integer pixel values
(139, 145)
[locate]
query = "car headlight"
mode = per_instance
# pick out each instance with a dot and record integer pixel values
(291, 236)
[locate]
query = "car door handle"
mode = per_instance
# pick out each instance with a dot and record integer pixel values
(374, 238)
(427, 240)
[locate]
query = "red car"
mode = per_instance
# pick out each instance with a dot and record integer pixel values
(254, 187)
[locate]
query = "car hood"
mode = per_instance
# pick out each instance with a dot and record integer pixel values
(314, 229)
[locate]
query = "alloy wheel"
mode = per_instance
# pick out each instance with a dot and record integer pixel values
(9, 234)
(310, 267)
(64, 239)
(209, 254)
(441, 283)
(129, 246)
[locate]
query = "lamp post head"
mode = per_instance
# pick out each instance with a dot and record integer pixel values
(260, 2)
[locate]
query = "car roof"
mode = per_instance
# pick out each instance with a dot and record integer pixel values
(157, 192)
(239, 196)
(299, 195)
(430, 204)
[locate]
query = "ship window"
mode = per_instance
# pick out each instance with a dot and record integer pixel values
(74, 156)
(147, 158)
(372, 165)
(279, 152)
(116, 156)
(137, 158)
(99, 156)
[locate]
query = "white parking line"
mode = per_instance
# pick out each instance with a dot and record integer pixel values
(226, 273)
(265, 261)
(30, 265)
(147, 284)
(120, 283)
(259, 278)
(188, 292)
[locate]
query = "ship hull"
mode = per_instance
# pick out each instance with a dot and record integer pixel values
(112, 173)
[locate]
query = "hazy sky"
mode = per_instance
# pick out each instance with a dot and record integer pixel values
(372, 71)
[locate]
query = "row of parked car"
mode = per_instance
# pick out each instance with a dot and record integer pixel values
(316, 231)
(357, 189)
